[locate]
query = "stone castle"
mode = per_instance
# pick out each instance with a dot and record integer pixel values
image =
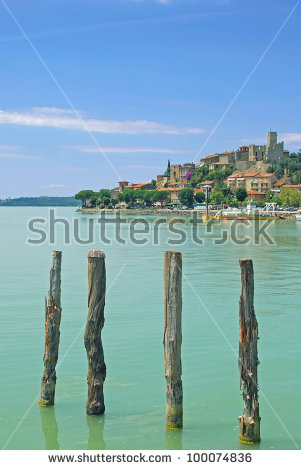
(268, 153)
(250, 154)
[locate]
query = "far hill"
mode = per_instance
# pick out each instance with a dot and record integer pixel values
(45, 201)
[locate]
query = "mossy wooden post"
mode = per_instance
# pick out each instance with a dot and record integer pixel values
(95, 321)
(173, 338)
(248, 359)
(52, 331)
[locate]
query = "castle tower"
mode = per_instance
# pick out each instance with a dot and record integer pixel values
(273, 150)
(272, 139)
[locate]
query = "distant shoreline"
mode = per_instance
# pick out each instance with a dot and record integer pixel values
(37, 205)
(40, 201)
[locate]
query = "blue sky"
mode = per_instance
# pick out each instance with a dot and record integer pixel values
(102, 90)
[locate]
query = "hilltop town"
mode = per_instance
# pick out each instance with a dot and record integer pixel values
(257, 172)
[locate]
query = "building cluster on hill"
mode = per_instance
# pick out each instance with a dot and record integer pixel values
(225, 164)
(268, 153)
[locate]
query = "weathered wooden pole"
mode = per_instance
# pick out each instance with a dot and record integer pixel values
(52, 331)
(173, 338)
(248, 359)
(95, 321)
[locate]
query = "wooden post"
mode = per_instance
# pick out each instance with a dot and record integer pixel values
(248, 359)
(95, 321)
(173, 338)
(53, 313)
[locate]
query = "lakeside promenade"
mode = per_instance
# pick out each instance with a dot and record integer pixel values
(159, 211)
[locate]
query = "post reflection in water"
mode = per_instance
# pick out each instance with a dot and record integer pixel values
(49, 427)
(173, 439)
(96, 426)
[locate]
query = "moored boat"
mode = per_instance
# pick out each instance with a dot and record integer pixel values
(250, 213)
(298, 215)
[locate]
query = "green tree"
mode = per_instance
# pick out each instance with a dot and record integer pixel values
(154, 196)
(186, 197)
(277, 199)
(104, 193)
(226, 190)
(298, 178)
(106, 201)
(93, 200)
(278, 172)
(139, 195)
(217, 195)
(199, 197)
(199, 175)
(84, 196)
(162, 197)
(211, 175)
(147, 197)
(290, 166)
(269, 196)
(167, 172)
(228, 200)
(129, 196)
(241, 194)
(290, 197)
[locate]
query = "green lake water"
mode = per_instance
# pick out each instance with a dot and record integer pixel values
(132, 338)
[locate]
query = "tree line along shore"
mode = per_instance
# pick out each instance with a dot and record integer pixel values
(46, 201)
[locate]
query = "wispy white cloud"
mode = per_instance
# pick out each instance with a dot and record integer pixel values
(58, 118)
(291, 139)
(9, 147)
(18, 156)
(121, 150)
(80, 29)
(54, 111)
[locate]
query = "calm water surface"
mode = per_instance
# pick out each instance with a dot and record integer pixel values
(132, 337)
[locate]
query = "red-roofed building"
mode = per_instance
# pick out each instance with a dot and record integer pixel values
(203, 185)
(276, 186)
(218, 166)
(125, 184)
(292, 186)
(174, 193)
(179, 184)
(255, 183)
(256, 195)
(225, 158)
